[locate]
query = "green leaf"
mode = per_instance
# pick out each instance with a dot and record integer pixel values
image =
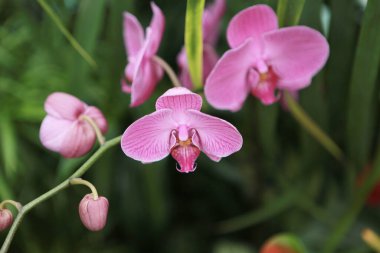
(194, 40)
(361, 107)
(289, 12)
(74, 43)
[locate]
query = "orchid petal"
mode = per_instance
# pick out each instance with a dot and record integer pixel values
(186, 157)
(179, 98)
(252, 22)
(226, 87)
(64, 106)
(293, 84)
(215, 136)
(157, 26)
(133, 34)
(295, 54)
(150, 138)
(212, 16)
(70, 139)
(147, 75)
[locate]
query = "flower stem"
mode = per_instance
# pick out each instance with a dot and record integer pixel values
(11, 202)
(169, 71)
(80, 181)
(94, 126)
(26, 208)
(313, 129)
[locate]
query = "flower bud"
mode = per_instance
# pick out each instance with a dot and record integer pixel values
(6, 219)
(283, 243)
(93, 212)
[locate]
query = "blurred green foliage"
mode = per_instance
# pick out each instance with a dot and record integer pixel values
(282, 179)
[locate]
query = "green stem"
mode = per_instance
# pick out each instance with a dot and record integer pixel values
(11, 202)
(348, 218)
(169, 71)
(74, 43)
(26, 208)
(80, 181)
(313, 129)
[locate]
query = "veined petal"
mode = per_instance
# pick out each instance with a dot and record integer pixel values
(133, 34)
(227, 87)
(150, 138)
(214, 136)
(179, 98)
(157, 26)
(212, 16)
(64, 106)
(295, 53)
(252, 22)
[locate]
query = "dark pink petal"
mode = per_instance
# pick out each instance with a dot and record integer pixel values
(263, 89)
(186, 157)
(125, 87)
(157, 26)
(295, 53)
(179, 98)
(97, 116)
(69, 138)
(64, 106)
(93, 213)
(212, 17)
(133, 34)
(252, 22)
(227, 85)
(214, 136)
(147, 75)
(150, 138)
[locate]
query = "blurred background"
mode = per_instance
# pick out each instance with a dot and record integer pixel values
(281, 181)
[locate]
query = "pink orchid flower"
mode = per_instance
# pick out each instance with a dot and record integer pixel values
(177, 127)
(212, 16)
(65, 128)
(264, 59)
(142, 71)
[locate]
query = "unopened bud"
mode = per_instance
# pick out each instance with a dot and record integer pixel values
(6, 219)
(283, 243)
(93, 212)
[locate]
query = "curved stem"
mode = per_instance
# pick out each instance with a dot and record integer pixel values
(301, 116)
(169, 71)
(11, 202)
(80, 181)
(25, 209)
(94, 126)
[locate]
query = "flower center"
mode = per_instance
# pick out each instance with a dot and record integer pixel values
(184, 151)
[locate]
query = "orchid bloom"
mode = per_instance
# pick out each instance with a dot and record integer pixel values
(264, 59)
(212, 16)
(177, 127)
(142, 71)
(69, 125)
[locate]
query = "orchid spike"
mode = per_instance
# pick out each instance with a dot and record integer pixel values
(212, 16)
(177, 127)
(142, 71)
(68, 127)
(264, 59)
